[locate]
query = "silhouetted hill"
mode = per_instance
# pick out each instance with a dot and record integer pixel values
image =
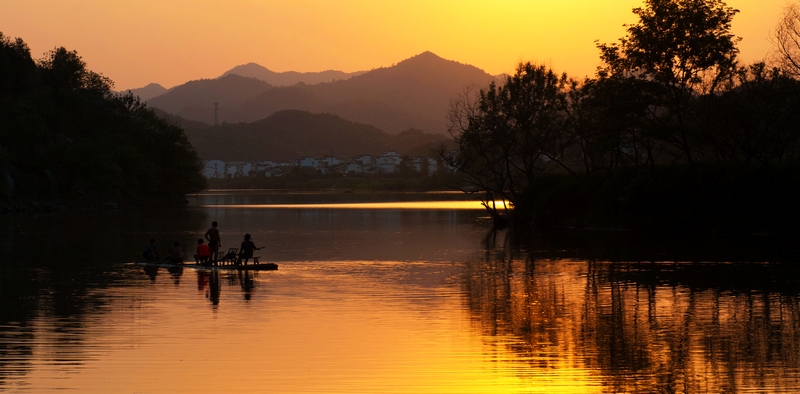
(179, 121)
(291, 134)
(288, 78)
(417, 90)
(195, 100)
(414, 93)
(148, 92)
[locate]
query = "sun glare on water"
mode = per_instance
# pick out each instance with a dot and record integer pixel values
(404, 205)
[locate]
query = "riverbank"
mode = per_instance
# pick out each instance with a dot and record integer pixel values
(678, 199)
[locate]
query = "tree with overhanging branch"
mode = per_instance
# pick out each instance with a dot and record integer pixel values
(786, 38)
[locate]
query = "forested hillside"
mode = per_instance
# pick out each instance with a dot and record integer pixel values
(65, 136)
(195, 99)
(290, 135)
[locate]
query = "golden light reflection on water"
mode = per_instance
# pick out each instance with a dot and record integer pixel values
(378, 301)
(404, 205)
(310, 327)
(500, 325)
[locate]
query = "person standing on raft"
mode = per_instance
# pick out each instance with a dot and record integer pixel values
(214, 242)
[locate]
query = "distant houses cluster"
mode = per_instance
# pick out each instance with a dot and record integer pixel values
(387, 163)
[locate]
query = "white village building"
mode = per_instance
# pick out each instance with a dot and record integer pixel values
(214, 169)
(388, 162)
(309, 162)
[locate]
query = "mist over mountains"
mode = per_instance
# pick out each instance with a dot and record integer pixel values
(414, 93)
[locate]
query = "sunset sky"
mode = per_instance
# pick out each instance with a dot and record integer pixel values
(170, 42)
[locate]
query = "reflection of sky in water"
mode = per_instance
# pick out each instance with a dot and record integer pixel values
(333, 234)
(373, 300)
(389, 327)
(400, 327)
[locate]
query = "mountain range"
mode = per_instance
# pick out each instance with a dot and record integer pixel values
(412, 94)
(291, 134)
(288, 78)
(147, 92)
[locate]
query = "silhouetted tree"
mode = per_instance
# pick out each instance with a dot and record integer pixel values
(671, 133)
(509, 135)
(684, 47)
(66, 70)
(755, 121)
(17, 68)
(65, 135)
(609, 122)
(786, 38)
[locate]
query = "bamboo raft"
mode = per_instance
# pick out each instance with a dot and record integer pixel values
(231, 267)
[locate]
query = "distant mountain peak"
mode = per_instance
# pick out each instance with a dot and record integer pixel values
(288, 78)
(148, 92)
(431, 60)
(248, 68)
(424, 57)
(428, 54)
(413, 93)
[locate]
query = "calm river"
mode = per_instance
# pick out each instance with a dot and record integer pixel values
(406, 293)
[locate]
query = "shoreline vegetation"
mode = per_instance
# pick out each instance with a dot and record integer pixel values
(673, 133)
(67, 140)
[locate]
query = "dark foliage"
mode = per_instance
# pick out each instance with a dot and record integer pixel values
(671, 133)
(292, 134)
(65, 136)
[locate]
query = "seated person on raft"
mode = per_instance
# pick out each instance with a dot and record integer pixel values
(150, 251)
(203, 254)
(246, 250)
(175, 254)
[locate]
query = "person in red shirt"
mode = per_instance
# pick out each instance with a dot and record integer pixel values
(202, 252)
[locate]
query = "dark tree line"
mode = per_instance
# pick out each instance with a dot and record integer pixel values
(672, 130)
(65, 135)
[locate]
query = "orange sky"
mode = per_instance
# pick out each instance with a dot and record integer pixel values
(173, 41)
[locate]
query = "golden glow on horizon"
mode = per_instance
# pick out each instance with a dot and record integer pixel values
(414, 205)
(136, 43)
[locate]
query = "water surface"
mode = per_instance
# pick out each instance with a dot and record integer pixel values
(382, 299)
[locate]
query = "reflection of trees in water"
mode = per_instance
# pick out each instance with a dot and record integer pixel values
(49, 309)
(53, 273)
(16, 335)
(642, 327)
(15, 352)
